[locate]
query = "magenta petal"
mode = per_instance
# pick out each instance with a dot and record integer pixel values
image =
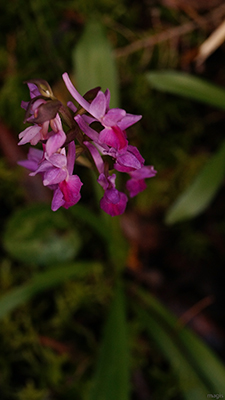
(107, 97)
(55, 142)
(113, 137)
(147, 171)
(103, 181)
(71, 190)
(29, 164)
(136, 153)
(111, 208)
(24, 104)
(112, 195)
(91, 133)
(76, 95)
(88, 119)
(57, 200)
(53, 176)
(96, 156)
(30, 135)
(112, 180)
(56, 124)
(98, 106)
(127, 162)
(34, 91)
(71, 106)
(42, 167)
(71, 155)
(35, 154)
(134, 187)
(34, 157)
(58, 160)
(128, 120)
(109, 182)
(113, 116)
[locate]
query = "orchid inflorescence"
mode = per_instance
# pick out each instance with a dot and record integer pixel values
(93, 130)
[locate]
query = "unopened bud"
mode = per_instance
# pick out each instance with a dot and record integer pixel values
(43, 87)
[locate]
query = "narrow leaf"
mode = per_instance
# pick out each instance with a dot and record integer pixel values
(201, 192)
(44, 281)
(189, 86)
(198, 370)
(112, 373)
(94, 64)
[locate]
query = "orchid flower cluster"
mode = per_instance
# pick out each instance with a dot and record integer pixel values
(94, 132)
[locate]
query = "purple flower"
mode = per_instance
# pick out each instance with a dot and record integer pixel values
(130, 160)
(57, 137)
(34, 158)
(113, 137)
(98, 129)
(57, 174)
(42, 112)
(114, 121)
(34, 92)
(99, 108)
(54, 139)
(33, 134)
(67, 193)
(137, 183)
(113, 202)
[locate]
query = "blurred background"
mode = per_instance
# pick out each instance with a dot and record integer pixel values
(52, 325)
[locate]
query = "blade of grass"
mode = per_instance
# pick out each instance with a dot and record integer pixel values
(94, 64)
(198, 369)
(197, 197)
(44, 281)
(186, 85)
(112, 372)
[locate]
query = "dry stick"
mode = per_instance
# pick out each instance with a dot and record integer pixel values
(169, 33)
(195, 310)
(211, 43)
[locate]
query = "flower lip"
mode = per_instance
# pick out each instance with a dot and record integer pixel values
(113, 208)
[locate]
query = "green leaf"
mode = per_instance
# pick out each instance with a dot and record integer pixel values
(189, 86)
(44, 281)
(112, 374)
(94, 64)
(38, 236)
(201, 192)
(198, 370)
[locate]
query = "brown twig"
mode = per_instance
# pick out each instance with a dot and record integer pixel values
(195, 310)
(212, 16)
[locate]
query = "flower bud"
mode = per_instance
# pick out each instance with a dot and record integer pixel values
(43, 87)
